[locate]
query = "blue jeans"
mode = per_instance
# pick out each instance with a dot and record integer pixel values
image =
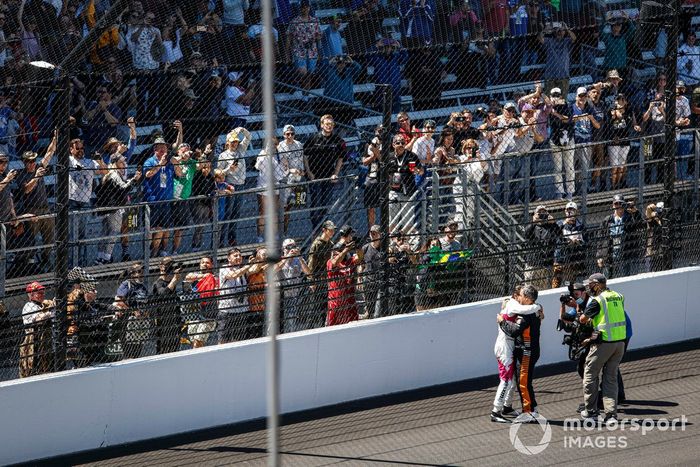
(516, 169)
(77, 222)
(320, 193)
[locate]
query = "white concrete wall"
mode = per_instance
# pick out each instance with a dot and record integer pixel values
(157, 396)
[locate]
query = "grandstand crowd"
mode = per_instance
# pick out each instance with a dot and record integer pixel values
(163, 113)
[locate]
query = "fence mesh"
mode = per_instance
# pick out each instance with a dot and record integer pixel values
(529, 141)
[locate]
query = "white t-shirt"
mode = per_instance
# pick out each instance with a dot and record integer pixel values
(262, 166)
(424, 148)
(236, 175)
(32, 312)
(293, 153)
(82, 173)
(233, 108)
(233, 292)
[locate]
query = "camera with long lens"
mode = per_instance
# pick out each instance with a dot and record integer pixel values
(569, 323)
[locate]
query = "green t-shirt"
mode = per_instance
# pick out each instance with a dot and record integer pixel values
(182, 186)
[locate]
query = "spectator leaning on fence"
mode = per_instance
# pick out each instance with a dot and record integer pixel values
(182, 190)
(291, 153)
(114, 192)
(232, 162)
(159, 172)
(319, 253)
(403, 166)
(36, 353)
(325, 153)
(80, 181)
(342, 274)
(232, 318)
(293, 271)
(31, 197)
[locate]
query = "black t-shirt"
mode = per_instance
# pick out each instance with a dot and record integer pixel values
(620, 127)
(165, 299)
(203, 185)
(401, 178)
(34, 201)
(323, 152)
(562, 132)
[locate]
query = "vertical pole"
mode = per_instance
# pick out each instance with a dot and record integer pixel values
(435, 221)
(477, 214)
(506, 182)
(585, 177)
(215, 228)
(146, 244)
(640, 175)
(387, 103)
(525, 184)
(272, 296)
(696, 174)
(62, 224)
(669, 164)
(3, 258)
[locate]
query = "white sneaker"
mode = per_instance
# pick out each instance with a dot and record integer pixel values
(526, 417)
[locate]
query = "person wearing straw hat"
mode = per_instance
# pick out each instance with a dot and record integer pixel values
(31, 196)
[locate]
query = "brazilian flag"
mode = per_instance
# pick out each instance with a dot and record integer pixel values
(450, 260)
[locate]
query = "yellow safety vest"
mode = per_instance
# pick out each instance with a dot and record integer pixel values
(610, 321)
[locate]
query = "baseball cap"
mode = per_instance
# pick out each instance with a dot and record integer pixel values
(597, 278)
(233, 137)
(184, 145)
(509, 105)
(680, 84)
(289, 243)
(527, 107)
(398, 139)
(578, 286)
(234, 75)
(346, 230)
(571, 205)
(329, 225)
(34, 287)
(288, 128)
(618, 199)
(375, 228)
(540, 207)
(660, 205)
(159, 140)
(556, 91)
(582, 90)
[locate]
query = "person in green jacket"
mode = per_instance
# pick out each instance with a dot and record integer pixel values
(617, 42)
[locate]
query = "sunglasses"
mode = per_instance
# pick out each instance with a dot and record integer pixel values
(398, 143)
(289, 133)
(401, 120)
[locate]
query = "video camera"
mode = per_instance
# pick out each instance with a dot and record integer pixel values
(569, 323)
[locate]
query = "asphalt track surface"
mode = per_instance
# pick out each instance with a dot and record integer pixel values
(449, 425)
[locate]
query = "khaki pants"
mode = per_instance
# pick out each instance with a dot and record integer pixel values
(604, 356)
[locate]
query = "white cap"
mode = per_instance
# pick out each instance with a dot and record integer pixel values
(581, 90)
(571, 205)
(288, 242)
(660, 205)
(555, 91)
(288, 128)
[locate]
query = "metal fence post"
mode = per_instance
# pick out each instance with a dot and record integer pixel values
(215, 226)
(696, 171)
(3, 258)
(146, 244)
(506, 181)
(527, 180)
(640, 174)
(477, 214)
(435, 202)
(585, 177)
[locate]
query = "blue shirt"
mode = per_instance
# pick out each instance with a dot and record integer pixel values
(583, 128)
(160, 186)
(331, 43)
(340, 85)
(387, 70)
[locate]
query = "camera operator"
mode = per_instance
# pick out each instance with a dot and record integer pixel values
(346, 256)
(165, 306)
(131, 300)
(543, 236)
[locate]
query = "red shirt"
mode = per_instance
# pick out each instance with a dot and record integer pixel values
(496, 16)
(208, 286)
(341, 284)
